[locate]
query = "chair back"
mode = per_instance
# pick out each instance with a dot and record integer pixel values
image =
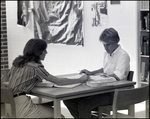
(7, 98)
(4, 75)
(130, 76)
(127, 97)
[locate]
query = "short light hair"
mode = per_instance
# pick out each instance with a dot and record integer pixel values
(109, 35)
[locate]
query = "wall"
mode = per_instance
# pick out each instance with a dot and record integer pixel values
(4, 48)
(62, 59)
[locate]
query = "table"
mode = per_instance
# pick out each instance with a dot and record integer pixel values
(58, 94)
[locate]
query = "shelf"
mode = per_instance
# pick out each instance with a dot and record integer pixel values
(144, 10)
(144, 31)
(144, 4)
(143, 42)
(144, 82)
(145, 56)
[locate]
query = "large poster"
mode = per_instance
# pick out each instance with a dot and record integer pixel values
(59, 22)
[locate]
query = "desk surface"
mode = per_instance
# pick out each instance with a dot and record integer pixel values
(58, 94)
(80, 91)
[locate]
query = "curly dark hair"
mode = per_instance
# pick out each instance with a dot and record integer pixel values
(32, 51)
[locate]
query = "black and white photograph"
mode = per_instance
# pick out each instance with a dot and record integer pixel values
(74, 59)
(59, 22)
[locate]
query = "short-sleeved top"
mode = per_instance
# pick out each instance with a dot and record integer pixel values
(23, 79)
(118, 63)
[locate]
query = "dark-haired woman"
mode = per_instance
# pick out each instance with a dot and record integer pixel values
(26, 71)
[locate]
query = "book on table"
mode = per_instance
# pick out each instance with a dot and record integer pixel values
(100, 80)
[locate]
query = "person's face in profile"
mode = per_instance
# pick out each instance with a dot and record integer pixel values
(110, 47)
(42, 56)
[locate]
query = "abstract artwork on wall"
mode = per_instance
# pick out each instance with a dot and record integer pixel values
(99, 13)
(59, 22)
(22, 12)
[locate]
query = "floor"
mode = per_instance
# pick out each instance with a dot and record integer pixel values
(139, 109)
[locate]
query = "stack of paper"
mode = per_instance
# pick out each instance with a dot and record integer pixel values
(99, 80)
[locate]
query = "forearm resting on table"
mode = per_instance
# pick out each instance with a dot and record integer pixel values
(62, 81)
(96, 71)
(66, 81)
(116, 77)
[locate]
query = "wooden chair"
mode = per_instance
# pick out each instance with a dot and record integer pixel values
(4, 76)
(130, 76)
(105, 110)
(127, 98)
(7, 98)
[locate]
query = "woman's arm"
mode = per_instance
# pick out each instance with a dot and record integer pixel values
(43, 74)
(66, 81)
(87, 72)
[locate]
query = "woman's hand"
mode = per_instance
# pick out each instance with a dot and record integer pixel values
(85, 72)
(84, 78)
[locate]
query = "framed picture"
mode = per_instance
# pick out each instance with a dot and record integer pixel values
(115, 2)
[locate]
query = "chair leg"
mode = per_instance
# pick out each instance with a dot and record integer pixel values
(131, 110)
(147, 108)
(102, 112)
(2, 109)
(107, 112)
(7, 110)
(99, 112)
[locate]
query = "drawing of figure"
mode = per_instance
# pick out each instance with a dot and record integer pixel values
(99, 13)
(95, 15)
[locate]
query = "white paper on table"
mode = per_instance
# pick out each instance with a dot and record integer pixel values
(100, 80)
(71, 76)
